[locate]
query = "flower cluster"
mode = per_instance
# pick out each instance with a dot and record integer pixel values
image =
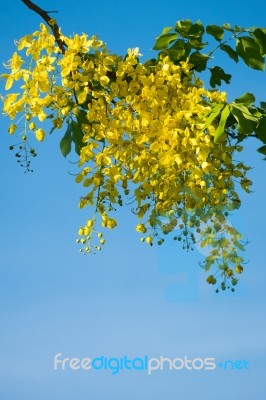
(142, 136)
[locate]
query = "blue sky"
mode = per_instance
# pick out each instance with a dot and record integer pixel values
(129, 299)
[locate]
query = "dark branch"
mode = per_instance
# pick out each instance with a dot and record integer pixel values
(50, 22)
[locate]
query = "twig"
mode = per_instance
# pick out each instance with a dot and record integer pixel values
(50, 22)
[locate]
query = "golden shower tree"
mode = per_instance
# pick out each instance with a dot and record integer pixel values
(150, 132)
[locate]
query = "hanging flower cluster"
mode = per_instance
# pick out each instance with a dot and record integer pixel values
(140, 132)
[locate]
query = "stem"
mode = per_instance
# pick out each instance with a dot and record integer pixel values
(50, 22)
(221, 44)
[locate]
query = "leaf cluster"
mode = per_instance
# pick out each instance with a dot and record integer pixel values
(188, 40)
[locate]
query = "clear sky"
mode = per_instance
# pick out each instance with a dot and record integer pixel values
(130, 299)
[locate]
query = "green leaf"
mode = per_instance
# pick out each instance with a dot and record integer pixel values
(220, 129)
(65, 143)
(196, 44)
(82, 117)
(196, 31)
(261, 129)
(260, 38)
(218, 75)
(183, 27)
(262, 150)
(151, 63)
(193, 32)
(163, 41)
(166, 30)
(249, 51)
(177, 50)
(175, 55)
(216, 31)
(199, 61)
(245, 111)
(229, 51)
(214, 113)
(263, 105)
(227, 27)
(247, 98)
(244, 124)
(239, 29)
(77, 136)
(236, 29)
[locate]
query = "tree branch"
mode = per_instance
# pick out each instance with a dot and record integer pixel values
(50, 22)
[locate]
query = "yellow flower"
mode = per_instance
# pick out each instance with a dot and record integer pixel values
(149, 239)
(134, 52)
(111, 223)
(12, 129)
(32, 126)
(104, 80)
(141, 228)
(42, 116)
(40, 134)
